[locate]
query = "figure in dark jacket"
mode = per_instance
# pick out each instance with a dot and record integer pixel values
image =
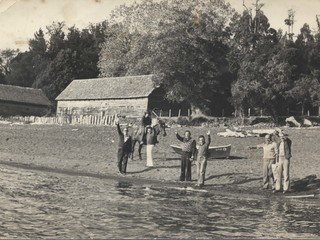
(283, 179)
(187, 155)
(124, 148)
(146, 122)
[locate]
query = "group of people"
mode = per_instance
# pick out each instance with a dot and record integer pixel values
(276, 161)
(276, 154)
(190, 150)
(149, 139)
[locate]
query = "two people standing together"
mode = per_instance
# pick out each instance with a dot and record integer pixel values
(192, 151)
(276, 154)
(125, 145)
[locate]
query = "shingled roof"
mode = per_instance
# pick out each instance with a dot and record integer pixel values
(18, 94)
(109, 88)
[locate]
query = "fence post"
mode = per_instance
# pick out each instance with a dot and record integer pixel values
(179, 113)
(169, 113)
(188, 112)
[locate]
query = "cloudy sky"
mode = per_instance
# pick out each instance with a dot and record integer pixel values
(19, 19)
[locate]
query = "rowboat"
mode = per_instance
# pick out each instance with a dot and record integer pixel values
(214, 151)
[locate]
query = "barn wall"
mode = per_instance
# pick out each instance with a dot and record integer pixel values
(22, 109)
(126, 107)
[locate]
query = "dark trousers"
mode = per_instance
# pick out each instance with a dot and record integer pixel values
(122, 160)
(185, 166)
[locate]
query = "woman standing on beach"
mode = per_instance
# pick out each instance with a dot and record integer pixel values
(150, 142)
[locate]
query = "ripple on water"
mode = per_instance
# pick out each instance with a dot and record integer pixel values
(76, 207)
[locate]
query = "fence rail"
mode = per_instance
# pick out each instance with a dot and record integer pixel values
(81, 120)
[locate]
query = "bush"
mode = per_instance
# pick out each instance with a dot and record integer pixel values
(198, 121)
(185, 121)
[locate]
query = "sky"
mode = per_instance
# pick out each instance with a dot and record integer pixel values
(20, 19)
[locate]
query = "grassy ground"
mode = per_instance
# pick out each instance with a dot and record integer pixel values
(93, 149)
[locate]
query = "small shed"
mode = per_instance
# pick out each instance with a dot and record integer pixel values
(128, 96)
(23, 101)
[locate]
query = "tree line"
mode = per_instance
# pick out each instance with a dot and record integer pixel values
(202, 52)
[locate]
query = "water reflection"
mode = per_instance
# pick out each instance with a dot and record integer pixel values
(36, 205)
(184, 212)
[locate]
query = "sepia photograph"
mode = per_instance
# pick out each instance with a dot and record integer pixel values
(159, 119)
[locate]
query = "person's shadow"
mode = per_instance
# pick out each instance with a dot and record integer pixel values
(308, 183)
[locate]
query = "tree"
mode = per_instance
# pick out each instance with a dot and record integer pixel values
(22, 70)
(184, 43)
(56, 39)
(263, 67)
(58, 74)
(305, 90)
(6, 56)
(69, 56)
(38, 44)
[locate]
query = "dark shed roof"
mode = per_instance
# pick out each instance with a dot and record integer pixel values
(26, 95)
(109, 88)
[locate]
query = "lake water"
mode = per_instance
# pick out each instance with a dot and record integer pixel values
(38, 204)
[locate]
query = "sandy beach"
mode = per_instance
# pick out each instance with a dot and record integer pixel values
(92, 150)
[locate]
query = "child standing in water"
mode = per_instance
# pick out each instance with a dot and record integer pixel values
(202, 155)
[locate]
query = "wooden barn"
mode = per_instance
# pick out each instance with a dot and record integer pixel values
(128, 96)
(22, 101)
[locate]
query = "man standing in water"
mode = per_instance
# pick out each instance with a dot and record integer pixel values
(124, 148)
(187, 156)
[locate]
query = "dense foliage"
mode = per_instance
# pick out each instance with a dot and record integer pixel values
(52, 64)
(201, 51)
(184, 42)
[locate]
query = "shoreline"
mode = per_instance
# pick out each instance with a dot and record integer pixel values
(92, 151)
(131, 180)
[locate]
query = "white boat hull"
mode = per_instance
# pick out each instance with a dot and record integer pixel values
(214, 151)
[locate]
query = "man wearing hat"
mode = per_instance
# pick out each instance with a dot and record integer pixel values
(284, 163)
(270, 153)
(275, 136)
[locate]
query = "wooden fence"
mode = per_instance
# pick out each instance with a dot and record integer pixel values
(81, 120)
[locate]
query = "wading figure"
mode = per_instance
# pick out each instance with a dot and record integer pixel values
(158, 126)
